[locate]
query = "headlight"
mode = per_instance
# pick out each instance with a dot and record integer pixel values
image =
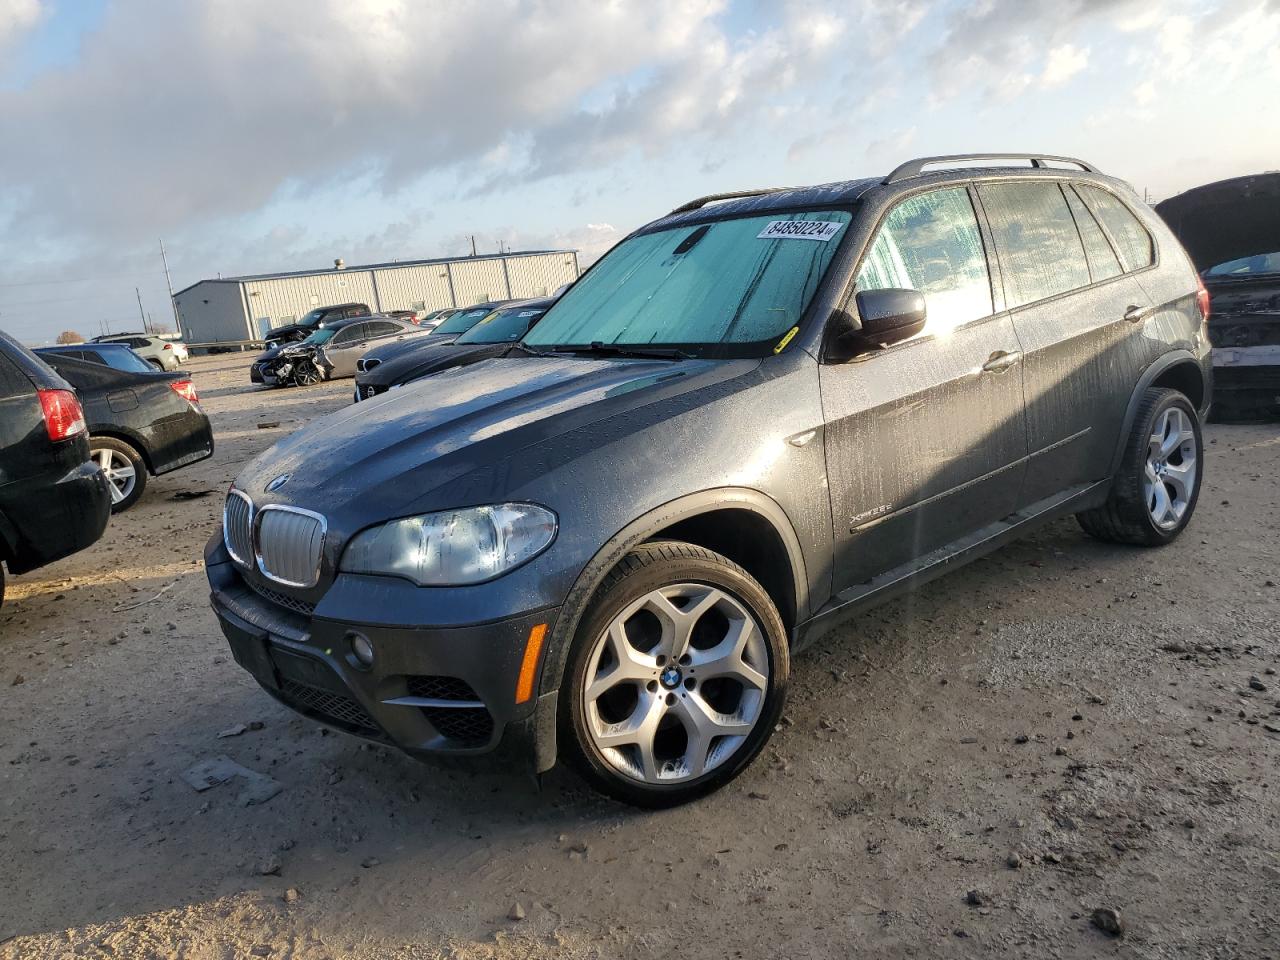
(453, 547)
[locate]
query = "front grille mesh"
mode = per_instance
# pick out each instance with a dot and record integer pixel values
(237, 522)
(282, 600)
(333, 706)
(469, 726)
(441, 688)
(289, 545)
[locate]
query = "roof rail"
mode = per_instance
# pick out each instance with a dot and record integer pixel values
(914, 168)
(733, 195)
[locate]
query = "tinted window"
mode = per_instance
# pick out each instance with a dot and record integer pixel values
(931, 243)
(1040, 250)
(349, 335)
(381, 328)
(1131, 237)
(1102, 259)
(462, 321)
(120, 360)
(737, 281)
(502, 326)
(1254, 266)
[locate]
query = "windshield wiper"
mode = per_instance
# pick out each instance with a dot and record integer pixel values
(624, 350)
(521, 345)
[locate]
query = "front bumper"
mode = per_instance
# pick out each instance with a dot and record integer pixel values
(429, 691)
(255, 374)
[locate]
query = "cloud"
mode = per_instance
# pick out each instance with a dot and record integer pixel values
(17, 18)
(1064, 62)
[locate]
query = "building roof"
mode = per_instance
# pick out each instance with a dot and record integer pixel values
(390, 265)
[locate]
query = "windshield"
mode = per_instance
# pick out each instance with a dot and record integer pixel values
(312, 318)
(502, 326)
(463, 320)
(323, 335)
(741, 281)
(1254, 266)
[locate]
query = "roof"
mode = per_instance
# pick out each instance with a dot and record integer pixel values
(356, 268)
(787, 198)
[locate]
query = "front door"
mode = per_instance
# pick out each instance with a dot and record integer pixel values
(925, 440)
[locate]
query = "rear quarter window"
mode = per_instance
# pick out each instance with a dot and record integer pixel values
(1137, 250)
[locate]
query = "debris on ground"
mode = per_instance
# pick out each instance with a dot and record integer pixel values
(258, 789)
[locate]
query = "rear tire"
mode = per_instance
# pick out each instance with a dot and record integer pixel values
(1, 583)
(1156, 488)
(125, 469)
(157, 364)
(689, 703)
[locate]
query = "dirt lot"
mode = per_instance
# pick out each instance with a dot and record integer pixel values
(1061, 727)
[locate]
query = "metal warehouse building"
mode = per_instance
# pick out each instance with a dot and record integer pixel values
(245, 308)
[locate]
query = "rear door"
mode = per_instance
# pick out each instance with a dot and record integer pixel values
(925, 440)
(1079, 319)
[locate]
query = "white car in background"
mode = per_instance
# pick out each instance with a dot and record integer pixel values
(162, 351)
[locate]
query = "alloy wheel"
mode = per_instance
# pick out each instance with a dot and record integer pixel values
(676, 683)
(119, 471)
(1169, 475)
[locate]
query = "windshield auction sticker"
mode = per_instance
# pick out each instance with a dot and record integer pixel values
(822, 230)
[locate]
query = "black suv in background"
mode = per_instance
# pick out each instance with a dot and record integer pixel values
(53, 498)
(313, 321)
(752, 417)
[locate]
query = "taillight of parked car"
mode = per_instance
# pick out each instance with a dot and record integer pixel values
(185, 389)
(167, 346)
(63, 416)
(1202, 301)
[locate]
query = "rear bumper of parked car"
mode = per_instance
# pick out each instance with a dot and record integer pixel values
(429, 691)
(1246, 380)
(52, 521)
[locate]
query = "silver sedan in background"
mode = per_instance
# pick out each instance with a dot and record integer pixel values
(337, 357)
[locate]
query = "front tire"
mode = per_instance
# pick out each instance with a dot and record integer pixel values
(676, 677)
(1156, 488)
(125, 470)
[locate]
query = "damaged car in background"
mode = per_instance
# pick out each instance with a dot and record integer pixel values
(330, 352)
(1231, 229)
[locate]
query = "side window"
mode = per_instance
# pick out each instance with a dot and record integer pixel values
(1131, 237)
(931, 243)
(1040, 250)
(1103, 264)
(381, 328)
(358, 311)
(349, 335)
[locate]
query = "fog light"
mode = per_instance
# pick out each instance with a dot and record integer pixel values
(361, 648)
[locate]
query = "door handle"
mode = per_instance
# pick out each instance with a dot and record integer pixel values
(1135, 314)
(1001, 361)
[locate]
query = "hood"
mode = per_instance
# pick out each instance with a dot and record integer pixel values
(1226, 220)
(408, 364)
(412, 344)
(394, 449)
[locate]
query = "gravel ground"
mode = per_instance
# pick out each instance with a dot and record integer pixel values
(1059, 729)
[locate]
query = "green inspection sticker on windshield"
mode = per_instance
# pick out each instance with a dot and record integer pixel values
(822, 230)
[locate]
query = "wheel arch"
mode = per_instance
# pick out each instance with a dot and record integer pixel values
(696, 518)
(131, 439)
(1178, 370)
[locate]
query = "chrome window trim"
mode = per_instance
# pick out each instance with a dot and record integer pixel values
(226, 539)
(257, 552)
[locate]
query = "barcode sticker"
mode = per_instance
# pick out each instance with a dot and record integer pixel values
(822, 230)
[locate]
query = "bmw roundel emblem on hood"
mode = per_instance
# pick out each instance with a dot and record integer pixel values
(278, 482)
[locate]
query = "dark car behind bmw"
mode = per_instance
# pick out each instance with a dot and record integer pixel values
(1231, 229)
(493, 336)
(53, 498)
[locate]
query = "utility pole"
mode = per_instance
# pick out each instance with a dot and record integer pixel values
(473, 244)
(140, 311)
(173, 304)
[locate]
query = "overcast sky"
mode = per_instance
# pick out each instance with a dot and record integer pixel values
(256, 135)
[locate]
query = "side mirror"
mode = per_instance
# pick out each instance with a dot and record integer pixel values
(888, 316)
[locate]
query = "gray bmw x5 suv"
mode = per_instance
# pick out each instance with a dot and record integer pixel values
(754, 416)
